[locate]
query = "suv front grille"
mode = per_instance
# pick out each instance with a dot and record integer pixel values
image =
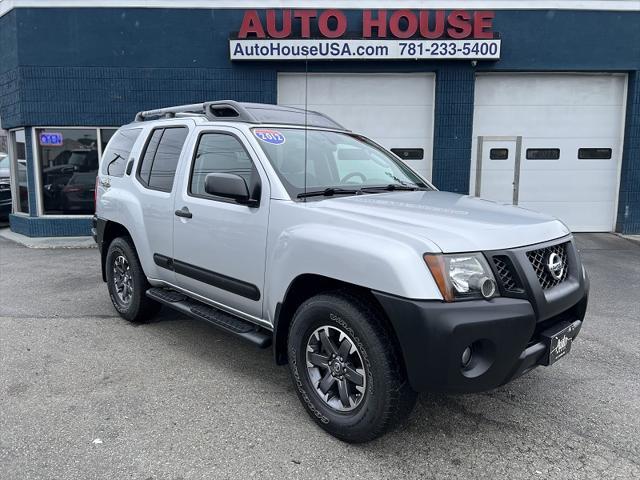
(507, 275)
(540, 260)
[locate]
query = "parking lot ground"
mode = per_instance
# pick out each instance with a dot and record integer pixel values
(85, 394)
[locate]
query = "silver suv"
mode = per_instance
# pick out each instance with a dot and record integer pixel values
(283, 228)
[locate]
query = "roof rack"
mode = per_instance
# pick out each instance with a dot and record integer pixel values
(230, 111)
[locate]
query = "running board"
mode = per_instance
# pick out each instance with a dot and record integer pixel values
(229, 323)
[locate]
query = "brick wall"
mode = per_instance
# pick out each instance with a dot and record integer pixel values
(453, 128)
(103, 96)
(629, 199)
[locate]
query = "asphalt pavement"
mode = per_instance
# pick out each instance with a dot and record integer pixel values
(86, 395)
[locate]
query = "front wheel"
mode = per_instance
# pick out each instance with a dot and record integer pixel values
(127, 282)
(346, 367)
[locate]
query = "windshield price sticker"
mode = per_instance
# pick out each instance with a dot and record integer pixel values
(273, 137)
(51, 139)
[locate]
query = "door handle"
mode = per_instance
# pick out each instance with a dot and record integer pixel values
(184, 213)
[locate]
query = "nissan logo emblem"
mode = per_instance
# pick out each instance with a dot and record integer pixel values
(555, 265)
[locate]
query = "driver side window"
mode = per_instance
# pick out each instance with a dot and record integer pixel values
(221, 153)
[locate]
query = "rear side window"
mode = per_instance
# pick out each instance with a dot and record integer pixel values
(116, 155)
(160, 159)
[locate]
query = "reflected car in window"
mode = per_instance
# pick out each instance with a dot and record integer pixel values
(78, 194)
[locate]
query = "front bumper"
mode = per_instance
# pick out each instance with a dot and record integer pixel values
(505, 334)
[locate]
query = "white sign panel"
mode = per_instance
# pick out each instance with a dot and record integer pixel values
(336, 49)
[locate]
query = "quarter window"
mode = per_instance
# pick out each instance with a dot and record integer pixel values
(118, 150)
(221, 153)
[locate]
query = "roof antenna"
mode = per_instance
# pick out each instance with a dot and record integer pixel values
(306, 95)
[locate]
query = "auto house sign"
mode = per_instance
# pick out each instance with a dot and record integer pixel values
(381, 35)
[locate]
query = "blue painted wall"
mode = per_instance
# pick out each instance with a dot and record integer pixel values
(100, 66)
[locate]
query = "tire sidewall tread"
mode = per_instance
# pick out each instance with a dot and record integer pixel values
(388, 397)
(141, 308)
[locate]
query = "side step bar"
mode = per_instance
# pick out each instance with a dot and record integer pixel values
(220, 319)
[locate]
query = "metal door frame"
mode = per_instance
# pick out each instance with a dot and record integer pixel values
(516, 166)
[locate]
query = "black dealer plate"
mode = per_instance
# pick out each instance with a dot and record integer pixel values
(559, 340)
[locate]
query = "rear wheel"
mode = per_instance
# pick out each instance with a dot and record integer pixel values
(127, 282)
(347, 372)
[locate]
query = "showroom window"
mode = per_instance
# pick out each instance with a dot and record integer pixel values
(17, 151)
(68, 160)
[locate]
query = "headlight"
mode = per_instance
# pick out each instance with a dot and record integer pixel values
(462, 276)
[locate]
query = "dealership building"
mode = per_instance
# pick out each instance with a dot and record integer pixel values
(534, 103)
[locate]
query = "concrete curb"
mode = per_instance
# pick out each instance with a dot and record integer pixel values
(632, 238)
(48, 242)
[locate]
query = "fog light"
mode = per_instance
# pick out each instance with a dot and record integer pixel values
(486, 285)
(466, 356)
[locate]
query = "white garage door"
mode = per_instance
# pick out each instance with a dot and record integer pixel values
(552, 143)
(395, 110)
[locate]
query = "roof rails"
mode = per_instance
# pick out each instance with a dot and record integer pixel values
(230, 110)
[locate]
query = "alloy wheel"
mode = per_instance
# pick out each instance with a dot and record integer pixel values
(336, 369)
(123, 279)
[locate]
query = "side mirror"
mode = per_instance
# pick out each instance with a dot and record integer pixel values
(229, 185)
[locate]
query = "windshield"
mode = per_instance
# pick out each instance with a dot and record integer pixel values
(335, 160)
(4, 161)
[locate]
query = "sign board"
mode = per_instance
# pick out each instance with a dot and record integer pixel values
(384, 35)
(51, 139)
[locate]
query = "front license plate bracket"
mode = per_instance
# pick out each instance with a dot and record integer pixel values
(558, 340)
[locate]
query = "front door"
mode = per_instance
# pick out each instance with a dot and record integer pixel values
(219, 245)
(497, 168)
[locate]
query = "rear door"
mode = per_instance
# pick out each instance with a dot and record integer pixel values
(219, 247)
(155, 181)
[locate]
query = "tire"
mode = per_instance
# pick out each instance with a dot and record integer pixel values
(379, 399)
(134, 306)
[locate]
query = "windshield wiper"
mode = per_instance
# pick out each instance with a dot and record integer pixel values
(115, 159)
(329, 192)
(391, 187)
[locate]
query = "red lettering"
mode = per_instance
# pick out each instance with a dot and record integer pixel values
(323, 23)
(272, 29)
(438, 28)
(369, 23)
(412, 24)
(251, 24)
(483, 24)
(460, 26)
(305, 17)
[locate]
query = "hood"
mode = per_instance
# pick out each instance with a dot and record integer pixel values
(455, 223)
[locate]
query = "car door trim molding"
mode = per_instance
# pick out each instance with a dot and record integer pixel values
(215, 279)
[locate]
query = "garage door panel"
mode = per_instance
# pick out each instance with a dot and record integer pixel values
(565, 112)
(413, 119)
(549, 90)
(558, 121)
(567, 186)
(590, 217)
(355, 89)
(569, 160)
